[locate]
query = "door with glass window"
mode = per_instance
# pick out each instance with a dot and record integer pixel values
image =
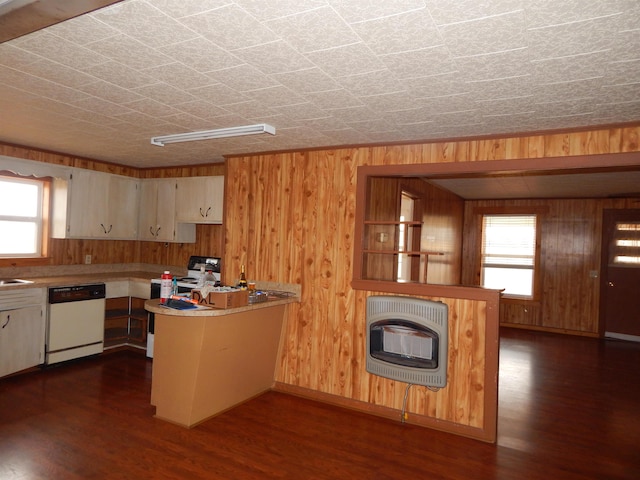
(620, 275)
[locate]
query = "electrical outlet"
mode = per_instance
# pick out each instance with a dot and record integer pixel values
(87, 259)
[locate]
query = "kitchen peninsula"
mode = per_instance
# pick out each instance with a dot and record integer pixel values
(208, 360)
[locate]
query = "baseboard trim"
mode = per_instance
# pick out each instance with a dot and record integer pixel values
(485, 435)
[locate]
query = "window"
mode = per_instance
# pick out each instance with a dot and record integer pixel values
(508, 256)
(21, 217)
(626, 244)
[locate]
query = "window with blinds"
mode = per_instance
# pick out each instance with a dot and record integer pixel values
(509, 253)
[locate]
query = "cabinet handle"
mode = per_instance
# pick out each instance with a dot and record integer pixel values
(201, 213)
(104, 229)
(7, 322)
(158, 231)
(151, 231)
(207, 213)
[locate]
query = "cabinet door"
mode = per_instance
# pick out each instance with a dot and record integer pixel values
(88, 200)
(102, 206)
(200, 199)
(121, 208)
(21, 339)
(157, 213)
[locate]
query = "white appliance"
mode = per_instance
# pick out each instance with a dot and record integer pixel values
(185, 284)
(75, 324)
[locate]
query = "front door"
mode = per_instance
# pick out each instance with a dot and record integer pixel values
(620, 275)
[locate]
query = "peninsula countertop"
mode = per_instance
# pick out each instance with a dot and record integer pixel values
(154, 306)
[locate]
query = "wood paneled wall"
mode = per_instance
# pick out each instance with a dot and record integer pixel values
(291, 219)
(571, 231)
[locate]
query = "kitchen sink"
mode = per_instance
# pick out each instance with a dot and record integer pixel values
(13, 281)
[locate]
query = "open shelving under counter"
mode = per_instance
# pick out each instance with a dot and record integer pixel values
(207, 360)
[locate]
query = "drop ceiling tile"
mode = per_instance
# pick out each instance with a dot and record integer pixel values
(185, 8)
(278, 96)
(14, 57)
(179, 76)
(371, 83)
(494, 66)
(306, 81)
(419, 63)
(499, 33)
(109, 91)
(588, 88)
(445, 12)
(570, 69)
(129, 52)
(622, 72)
(39, 87)
(185, 121)
(347, 60)
(151, 107)
(243, 78)
(201, 55)
(353, 114)
(551, 12)
(510, 87)
(388, 102)
(82, 30)
(164, 93)
(507, 106)
(313, 30)
(147, 24)
(94, 104)
(398, 33)
(219, 94)
(575, 38)
(251, 109)
(269, 10)
(354, 12)
(620, 93)
(435, 86)
(334, 99)
(120, 75)
(275, 57)
(230, 27)
(301, 111)
(202, 109)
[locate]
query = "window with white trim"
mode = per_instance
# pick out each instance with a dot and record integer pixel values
(21, 217)
(508, 256)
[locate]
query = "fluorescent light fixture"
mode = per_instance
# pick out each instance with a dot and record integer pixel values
(211, 134)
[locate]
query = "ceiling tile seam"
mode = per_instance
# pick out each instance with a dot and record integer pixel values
(398, 14)
(574, 22)
(479, 19)
(564, 57)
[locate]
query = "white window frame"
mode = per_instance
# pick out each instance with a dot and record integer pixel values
(38, 220)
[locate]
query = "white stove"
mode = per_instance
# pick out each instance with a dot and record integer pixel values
(193, 272)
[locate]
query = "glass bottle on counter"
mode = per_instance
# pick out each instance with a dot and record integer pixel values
(242, 283)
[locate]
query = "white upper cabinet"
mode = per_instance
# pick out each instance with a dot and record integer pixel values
(101, 205)
(200, 199)
(156, 221)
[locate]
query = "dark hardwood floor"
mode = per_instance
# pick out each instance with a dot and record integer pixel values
(569, 409)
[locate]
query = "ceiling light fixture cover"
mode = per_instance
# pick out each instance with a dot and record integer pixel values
(211, 134)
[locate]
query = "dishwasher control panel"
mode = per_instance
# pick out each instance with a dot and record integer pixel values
(77, 293)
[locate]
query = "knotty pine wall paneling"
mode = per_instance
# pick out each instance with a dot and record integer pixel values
(290, 219)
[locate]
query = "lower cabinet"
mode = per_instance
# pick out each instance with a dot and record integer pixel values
(125, 322)
(21, 339)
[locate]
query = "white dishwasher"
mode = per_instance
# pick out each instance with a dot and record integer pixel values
(75, 324)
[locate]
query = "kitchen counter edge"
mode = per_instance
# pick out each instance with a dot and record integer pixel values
(154, 306)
